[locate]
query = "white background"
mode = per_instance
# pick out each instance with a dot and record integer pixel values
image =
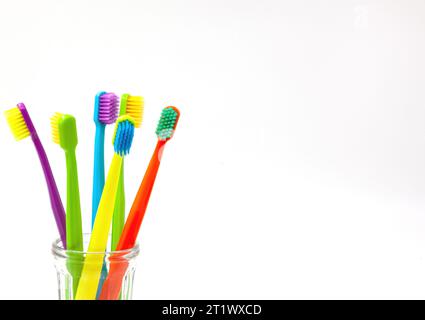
(298, 167)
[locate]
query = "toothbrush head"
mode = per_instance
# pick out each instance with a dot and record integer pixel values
(54, 125)
(134, 107)
(105, 108)
(123, 135)
(19, 122)
(64, 131)
(167, 123)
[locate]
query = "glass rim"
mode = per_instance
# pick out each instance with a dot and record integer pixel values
(59, 250)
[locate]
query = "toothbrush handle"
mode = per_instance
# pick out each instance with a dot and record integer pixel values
(118, 220)
(119, 212)
(137, 212)
(74, 232)
(99, 169)
(55, 199)
(118, 268)
(74, 235)
(92, 267)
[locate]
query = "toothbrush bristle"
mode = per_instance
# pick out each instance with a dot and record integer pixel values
(17, 123)
(123, 135)
(135, 108)
(54, 124)
(167, 123)
(108, 108)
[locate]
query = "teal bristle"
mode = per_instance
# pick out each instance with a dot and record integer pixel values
(167, 123)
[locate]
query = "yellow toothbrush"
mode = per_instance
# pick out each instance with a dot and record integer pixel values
(90, 276)
(132, 106)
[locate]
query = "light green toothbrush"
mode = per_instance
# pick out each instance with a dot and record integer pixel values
(64, 133)
(132, 106)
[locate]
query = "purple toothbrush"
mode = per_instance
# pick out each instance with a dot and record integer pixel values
(21, 125)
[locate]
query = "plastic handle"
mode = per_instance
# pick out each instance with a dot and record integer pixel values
(90, 275)
(74, 232)
(55, 199)
(99, 169)
(137, 212)
(74, 235)
(119, 212)
(112, 285)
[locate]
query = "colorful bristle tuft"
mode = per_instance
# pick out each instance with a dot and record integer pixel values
(135, 108)
(123, 135)
(17, 123)
(108, 108)
(167, 123)
(54, 124)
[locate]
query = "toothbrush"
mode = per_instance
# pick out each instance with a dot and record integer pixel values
(22, 127)
(132, 106)
(89, 280)
(64, 133)
(165, 130)
(105, 112)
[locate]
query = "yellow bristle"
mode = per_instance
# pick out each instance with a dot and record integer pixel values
(134, 108)
(54, 123)
(17, 123)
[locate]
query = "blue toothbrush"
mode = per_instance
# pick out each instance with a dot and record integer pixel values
(105, 112)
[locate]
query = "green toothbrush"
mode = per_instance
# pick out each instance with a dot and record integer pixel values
(64, 133)
(132, 106)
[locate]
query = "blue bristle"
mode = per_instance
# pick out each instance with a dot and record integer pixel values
(124, 138)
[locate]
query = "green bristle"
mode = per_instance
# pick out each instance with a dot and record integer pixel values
(167, 123)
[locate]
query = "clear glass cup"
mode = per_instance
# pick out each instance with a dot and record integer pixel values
(69, 263)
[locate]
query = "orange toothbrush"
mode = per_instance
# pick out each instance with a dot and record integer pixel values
(165, 130)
